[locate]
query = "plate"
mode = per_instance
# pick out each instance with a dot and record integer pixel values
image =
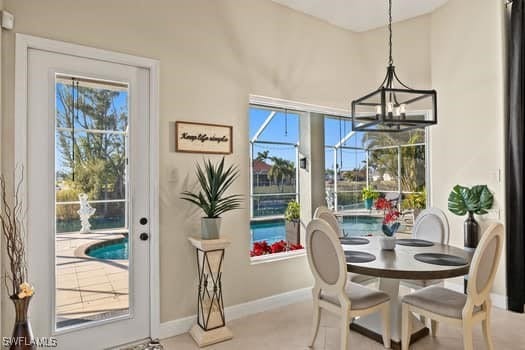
(353, 240)
(414, 242)
(353, 256)
(441, 259)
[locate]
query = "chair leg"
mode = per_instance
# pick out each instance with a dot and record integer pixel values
(385, 312)
(485, 327)
(315, 324)
(345, 329)
(434, 327)
(467, 336)
(405, 327)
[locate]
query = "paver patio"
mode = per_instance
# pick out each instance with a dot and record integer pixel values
(88, 288)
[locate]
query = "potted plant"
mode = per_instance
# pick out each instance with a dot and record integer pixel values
(475, 200)
(390, 223)
(214, 181)
(369, 196)
(416, 201)
(292, 215)
(16, 274)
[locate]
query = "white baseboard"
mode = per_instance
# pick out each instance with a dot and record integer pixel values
(498, 300)
(183, 325)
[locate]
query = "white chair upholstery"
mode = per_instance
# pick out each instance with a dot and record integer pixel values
(331, 290)
(327, 215)
(443, 305)
(431, 225)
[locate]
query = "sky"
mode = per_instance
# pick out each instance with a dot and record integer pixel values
(284, 127)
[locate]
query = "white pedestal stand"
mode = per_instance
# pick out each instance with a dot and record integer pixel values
(211, 323)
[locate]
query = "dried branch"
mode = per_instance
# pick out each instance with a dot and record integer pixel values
(11, 224)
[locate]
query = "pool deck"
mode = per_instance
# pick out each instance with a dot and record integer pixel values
(88, 288)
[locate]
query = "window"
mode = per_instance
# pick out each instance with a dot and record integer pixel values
(273, 141)
(91, 199)
(91, 152)
(345, 163)
(394, 164)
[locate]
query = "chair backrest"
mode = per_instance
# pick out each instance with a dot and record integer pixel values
(432, 225)
(327, 215)
(485, 264)
(325, 257)
(393, 198)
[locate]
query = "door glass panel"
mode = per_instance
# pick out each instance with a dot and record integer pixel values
(91, 200)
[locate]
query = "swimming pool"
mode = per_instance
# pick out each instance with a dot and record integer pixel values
(113, 250)
(355, 225)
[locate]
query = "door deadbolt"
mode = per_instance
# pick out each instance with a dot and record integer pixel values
(144, 236)
(143, 221)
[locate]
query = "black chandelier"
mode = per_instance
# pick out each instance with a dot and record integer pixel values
(394, 106)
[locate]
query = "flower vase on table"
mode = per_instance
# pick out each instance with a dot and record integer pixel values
(388, 241)
(390, 224)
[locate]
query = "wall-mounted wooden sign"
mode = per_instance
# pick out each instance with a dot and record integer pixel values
(203, 138)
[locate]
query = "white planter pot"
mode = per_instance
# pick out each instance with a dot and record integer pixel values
(210, 228)
(387, 243)
(292, 232)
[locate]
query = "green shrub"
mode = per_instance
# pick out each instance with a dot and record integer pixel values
(293, 211)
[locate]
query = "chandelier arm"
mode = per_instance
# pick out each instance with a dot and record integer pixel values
(400, 82)
(383, 83)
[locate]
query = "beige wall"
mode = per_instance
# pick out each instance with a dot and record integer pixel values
(214, 53)
(411, 53)
(467, 145)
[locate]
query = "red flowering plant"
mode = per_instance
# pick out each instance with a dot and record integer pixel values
(391, 214)
(263, 248)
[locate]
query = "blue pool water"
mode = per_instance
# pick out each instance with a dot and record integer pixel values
(273, 230)
(116, 250)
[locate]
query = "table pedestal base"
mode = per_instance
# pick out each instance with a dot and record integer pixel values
(204, 338)
(372, 325)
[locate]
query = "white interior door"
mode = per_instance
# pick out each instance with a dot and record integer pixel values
(87, 132)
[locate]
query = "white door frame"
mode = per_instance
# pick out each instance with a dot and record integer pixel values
(26, 42)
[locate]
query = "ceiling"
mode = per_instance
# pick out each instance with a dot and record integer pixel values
(362, 15)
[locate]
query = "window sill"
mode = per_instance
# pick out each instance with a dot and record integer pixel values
(262, 259)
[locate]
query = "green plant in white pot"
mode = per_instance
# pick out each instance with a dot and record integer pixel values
(292, 216)
(214, 181)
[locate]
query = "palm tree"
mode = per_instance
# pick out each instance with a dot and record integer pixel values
(281, 171)
(385, 160)
(262, 156)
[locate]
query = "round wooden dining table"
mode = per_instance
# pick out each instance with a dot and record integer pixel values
(392, 266)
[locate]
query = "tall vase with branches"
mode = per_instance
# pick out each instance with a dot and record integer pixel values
(16, 275)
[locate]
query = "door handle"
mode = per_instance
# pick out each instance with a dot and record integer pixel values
(144, 236)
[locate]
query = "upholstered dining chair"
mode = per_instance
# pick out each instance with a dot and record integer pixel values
(332, 291)
(327, 215)
(430, 225)
(444, 305)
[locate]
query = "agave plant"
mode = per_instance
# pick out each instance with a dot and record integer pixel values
(214, 180)
(476, 200)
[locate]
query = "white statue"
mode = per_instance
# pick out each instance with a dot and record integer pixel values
(85, 213)
(330, 199)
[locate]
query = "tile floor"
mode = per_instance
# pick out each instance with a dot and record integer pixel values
(289, 328)
(88, 288)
